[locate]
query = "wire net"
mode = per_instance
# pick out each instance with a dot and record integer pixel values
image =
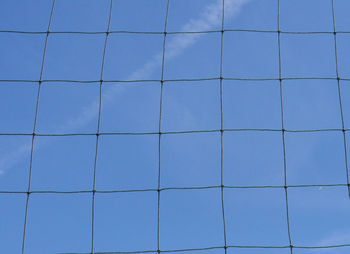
(221, 133)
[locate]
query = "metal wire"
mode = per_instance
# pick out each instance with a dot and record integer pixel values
(160, 127)
(169, 81)
(340, 98)
(283, 131)
(98, 129)
(34, 127)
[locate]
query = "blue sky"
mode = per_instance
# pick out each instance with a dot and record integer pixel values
(127, 221)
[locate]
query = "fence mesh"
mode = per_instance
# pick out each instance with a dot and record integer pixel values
(161, 133)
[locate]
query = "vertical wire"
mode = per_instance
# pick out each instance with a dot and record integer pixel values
(98, 129)
(222, 127)
(283, 129)
(340, 98)
(160, 127)
(34, 127)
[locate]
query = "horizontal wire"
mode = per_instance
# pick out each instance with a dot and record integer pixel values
(177, 188)
(220, 247)
(171, 32)
(173, 132)
(166, 80)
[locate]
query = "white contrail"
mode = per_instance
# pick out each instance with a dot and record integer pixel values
(210, 17)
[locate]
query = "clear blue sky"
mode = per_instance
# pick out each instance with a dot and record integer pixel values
(61, 223)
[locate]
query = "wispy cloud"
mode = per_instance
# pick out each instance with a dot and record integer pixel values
(210, 17)
(335, 238)
(11, 157)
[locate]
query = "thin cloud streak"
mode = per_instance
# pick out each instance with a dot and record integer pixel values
(335, 238)
(210, 17)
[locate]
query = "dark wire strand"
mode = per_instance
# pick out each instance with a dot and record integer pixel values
(170, 81)
(335, 185)
(340, 98)
(34, 127)
(160, 126)
(222, 127)
(171, 32)
(98, 129)
(221, 247)
(172, 132)
(283, 130)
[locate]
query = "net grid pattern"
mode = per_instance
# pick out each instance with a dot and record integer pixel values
(160, 133)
